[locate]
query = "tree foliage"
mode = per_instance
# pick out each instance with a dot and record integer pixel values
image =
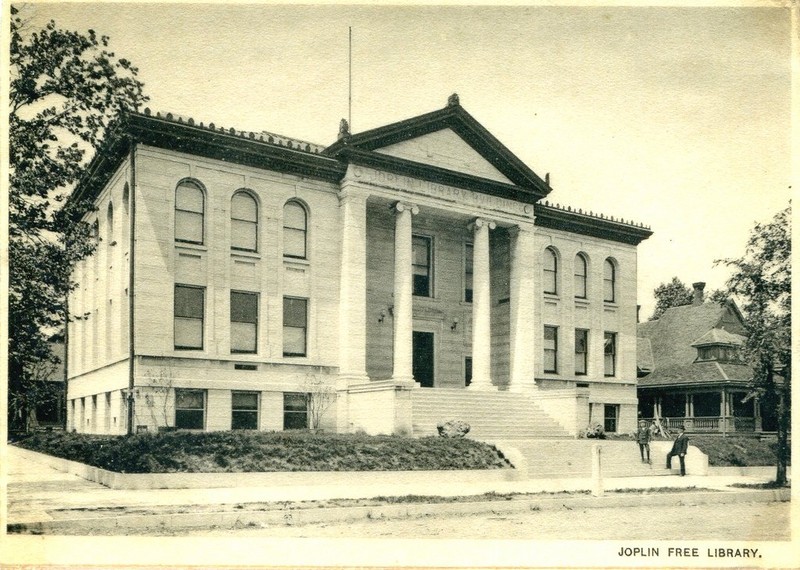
(65, 90)
(761, 281)
(672, 294)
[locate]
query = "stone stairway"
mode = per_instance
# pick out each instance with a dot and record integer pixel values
(491, 415)
(547, 458)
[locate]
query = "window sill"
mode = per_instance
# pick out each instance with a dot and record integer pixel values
(192, 246)
(610, 304)
(296, 261)
(246, 254)
(582, 301)
(552, 297)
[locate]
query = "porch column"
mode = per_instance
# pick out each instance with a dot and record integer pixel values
(522, 307)
(481, 308)
(403, 311)
(353, 291)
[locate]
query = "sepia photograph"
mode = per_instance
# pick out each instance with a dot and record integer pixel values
(342, 285)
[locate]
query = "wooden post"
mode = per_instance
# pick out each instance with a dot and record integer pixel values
(597, 475)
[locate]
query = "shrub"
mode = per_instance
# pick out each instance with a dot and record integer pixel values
(260, 451)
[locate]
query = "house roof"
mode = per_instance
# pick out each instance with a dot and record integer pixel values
(697, 373)
(674, 338)
(644, 355)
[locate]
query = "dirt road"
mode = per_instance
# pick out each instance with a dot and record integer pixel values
(753, 521)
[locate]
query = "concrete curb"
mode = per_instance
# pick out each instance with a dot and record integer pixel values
(142, 481)
(288, 516)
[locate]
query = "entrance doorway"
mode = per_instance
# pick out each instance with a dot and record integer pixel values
(423, 358)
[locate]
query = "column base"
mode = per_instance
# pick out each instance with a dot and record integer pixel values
(482, 387)
(405, 382)
(346, 379)
(523, 386)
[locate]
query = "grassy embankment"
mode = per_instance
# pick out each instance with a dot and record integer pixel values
(235, 452)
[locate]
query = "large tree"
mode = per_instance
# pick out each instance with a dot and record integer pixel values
(65, 90)
(762, 283)
(672, 294)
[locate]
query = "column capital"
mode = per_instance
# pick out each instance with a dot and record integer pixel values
(405, 206)
(479, 223)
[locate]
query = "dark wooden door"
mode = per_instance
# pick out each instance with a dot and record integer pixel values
(423, 358)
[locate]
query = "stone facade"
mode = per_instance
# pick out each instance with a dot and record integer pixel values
(421, 263)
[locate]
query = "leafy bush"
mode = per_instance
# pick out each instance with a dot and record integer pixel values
(215, 452)
(594, 432)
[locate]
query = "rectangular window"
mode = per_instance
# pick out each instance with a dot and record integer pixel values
(190, 409)
(295, 326)
(610, 418)
(295, 410)
(468, 272)
(421, 264)
(551, 349)
(244, 410)
(244, 322)
(189, 311)
(581, 351)
(467, 371)
(610, 354)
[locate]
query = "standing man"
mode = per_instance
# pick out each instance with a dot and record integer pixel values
(643, 438)
(679, 448)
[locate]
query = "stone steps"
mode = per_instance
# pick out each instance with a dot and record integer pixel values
(573, 458)
(491, 415)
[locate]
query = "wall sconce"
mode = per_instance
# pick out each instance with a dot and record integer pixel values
(454, 325)
(382, 316)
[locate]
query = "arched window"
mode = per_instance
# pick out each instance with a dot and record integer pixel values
(550, 271)
(295, 229)
(126, 196)
(189, 212)
(609, 281)
(581, 274)
(244, 222)
(110, 225)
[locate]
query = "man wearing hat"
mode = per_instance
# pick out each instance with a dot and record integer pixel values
(679, 448)
(643, 438)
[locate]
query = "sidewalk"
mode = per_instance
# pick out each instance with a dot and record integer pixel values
(38, 493)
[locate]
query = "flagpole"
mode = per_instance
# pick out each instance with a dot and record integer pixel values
(350, 80)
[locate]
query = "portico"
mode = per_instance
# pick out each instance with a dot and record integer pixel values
(377, 208)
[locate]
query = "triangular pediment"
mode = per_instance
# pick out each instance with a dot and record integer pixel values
(449, 140)
(445, 149)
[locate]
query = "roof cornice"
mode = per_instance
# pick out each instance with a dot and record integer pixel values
(548, 216)
(250, 149)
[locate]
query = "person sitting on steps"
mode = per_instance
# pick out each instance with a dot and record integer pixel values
(679, 448)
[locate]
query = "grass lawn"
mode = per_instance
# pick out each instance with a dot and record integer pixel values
(736, 451)
(236, 452)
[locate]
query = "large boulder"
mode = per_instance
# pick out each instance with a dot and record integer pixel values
(453, 428)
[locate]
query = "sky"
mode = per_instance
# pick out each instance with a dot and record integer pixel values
(678, 118)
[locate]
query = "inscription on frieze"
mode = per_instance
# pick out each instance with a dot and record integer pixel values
(440, 191)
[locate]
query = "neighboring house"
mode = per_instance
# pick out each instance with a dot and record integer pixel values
(413, 269)
(691, 371)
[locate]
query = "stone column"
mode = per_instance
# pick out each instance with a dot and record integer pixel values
(403, 289)
(522, 308)
(481, 308)
(353, 286)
